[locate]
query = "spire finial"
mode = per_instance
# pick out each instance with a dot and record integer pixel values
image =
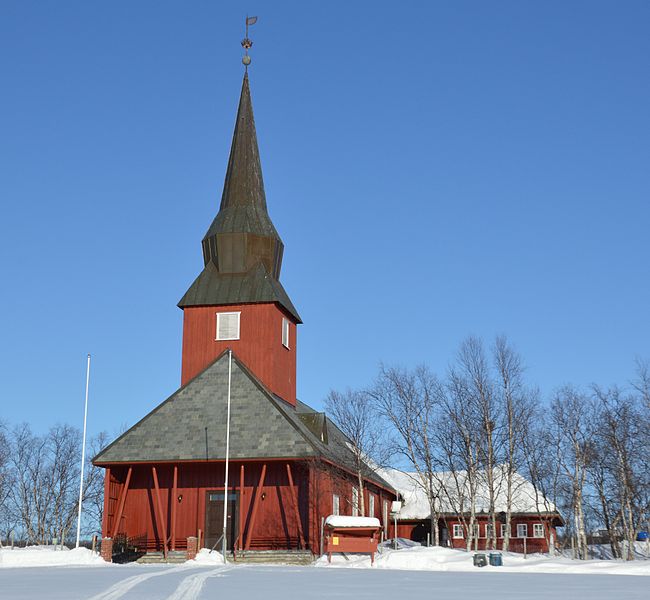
(247, 43)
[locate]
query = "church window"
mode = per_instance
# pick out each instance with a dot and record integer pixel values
(285, 332)
(228, 326)
(355, 502)
(336, 505)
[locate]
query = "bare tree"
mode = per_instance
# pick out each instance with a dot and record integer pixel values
(620, 436)
(573, 427)
(93, 494)
(410, 402)
(353, 413)
(45, 492)
(518, 405)
(6, 477)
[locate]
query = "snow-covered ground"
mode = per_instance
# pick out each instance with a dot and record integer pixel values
(414, 572)
(419, 558)
(47, 556)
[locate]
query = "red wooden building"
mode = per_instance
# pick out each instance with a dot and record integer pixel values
(289, 465)
(533, 523)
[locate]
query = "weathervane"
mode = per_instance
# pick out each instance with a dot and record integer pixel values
(247, 43)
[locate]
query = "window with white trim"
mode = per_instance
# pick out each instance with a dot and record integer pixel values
(371, 505)
(355, 502)
(459, 534)
(504, 528)
(538, 530)
(336, 505)
(476, 531)
(228, 326)
(386, 515)
(489, 530)
(522, 530)
(285, 332)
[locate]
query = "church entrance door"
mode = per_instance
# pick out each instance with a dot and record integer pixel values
(214, 519)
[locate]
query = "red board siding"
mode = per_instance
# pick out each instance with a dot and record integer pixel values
(275, 524)
(417, 530)
(275, 527)
(259, 345)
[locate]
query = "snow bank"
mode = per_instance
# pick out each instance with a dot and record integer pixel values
(341, 521)
(45, 556)
(205, 557)
(446, 559)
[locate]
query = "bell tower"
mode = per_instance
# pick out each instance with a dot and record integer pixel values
(237, 301)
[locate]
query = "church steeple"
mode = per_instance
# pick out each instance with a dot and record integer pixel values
(237, 302)
(242, 233)
(242, 251)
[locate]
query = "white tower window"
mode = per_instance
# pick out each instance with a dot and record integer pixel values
(228, 326)
(285, 332)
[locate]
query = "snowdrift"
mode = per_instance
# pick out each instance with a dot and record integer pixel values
(46, 556)
(419, 558)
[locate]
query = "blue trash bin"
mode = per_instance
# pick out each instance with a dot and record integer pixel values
(496, 559)
(642, 536)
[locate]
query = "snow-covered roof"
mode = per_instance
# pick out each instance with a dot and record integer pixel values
(342, 521)
(450, 487)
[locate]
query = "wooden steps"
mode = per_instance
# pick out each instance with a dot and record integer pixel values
(277, 557)
(175, 557)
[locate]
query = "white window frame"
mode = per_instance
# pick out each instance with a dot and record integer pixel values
(355, 501)
(538, 530)
(220, 315)
(458, 531)
(477, 531)
(336, 504)
(503, 530)
(488, 528)
(385, 514)
(285, 332)
(371, 505)
(522, 527)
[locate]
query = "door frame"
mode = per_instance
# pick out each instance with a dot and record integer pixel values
(234, 518)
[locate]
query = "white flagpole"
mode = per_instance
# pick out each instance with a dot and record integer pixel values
(83, 455)
(225, 485)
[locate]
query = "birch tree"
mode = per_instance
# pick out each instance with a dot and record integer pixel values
(354, 414)
(410, 402)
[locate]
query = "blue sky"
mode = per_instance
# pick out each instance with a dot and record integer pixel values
(435, 170)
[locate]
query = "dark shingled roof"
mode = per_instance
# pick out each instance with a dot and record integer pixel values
(243, 201)
(191, 425)
(214, 288)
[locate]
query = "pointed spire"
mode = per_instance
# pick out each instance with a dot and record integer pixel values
(242, 233)
(244, 183)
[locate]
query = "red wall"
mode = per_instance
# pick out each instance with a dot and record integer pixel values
(259, 345)
(417, 530)
(275, 524)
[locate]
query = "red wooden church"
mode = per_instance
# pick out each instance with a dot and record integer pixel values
(289, 465)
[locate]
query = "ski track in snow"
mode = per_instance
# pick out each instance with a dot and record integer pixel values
(190, 588)
(122, 587)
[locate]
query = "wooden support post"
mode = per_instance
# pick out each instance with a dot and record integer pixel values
(120, 505)
(160, 512)
(174, 506)
(241, 507)
(294, 495)
(107, 488)
(256, 504)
